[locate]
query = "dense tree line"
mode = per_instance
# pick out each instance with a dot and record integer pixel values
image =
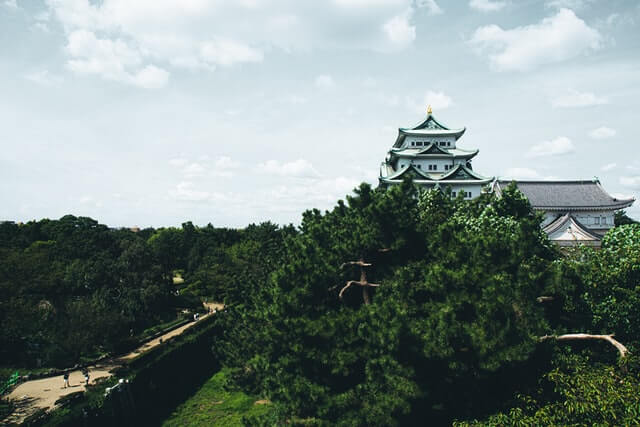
(72, 289)
(397, 307)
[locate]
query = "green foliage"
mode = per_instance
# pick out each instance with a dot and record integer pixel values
(584, 394)
(456, 308)
(601, 288)
(452, 332)
(73, 288)
(597, 291)
(621, 218)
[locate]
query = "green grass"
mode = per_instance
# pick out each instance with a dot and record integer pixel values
(213, 405)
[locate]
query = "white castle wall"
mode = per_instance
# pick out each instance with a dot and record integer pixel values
(595, 220)
(415, 141)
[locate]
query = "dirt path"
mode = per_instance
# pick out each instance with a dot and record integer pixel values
(43, 393)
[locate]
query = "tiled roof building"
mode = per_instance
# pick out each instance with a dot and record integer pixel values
(577, 211)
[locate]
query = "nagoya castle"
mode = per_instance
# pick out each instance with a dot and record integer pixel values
(574, 211)
(429, 154)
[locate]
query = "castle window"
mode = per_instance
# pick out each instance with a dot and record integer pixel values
(596, 221)
(419, 166)
(413, 143)
(453, 194)
(604, 220)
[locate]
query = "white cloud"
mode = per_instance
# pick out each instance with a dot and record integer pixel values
(151, 77)
(300, 168)
(555, 147)
(193, 170)
(112, 60)
(366, 3)
(555, 39)
(437, 101)
(178, 162)
(431, 6)
(41, 26)
(574, 98)
(399, 30)
(203, 34)
(294, 99)
(325, 81)
(90, 201)
(521, 173)
(228, 52)
(185, 191)
(224, 162)
(44, 78)
(602, 133)
(487, 5)
(631, 181)
(323, 193)
(11, 4)
(224, 166)
(608, 167)
(369, 82)
(567, 4)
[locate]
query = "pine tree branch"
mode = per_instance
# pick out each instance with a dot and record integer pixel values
(576, 337)
(355, 282)
(360, 263)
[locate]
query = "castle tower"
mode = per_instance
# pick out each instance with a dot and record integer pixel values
(429, 153)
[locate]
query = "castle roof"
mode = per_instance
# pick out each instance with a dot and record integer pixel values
(433, 150)
(428, 127)
(460, 174)
(568, 231)
(566, 195)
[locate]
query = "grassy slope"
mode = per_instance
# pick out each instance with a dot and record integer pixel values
(213, 405)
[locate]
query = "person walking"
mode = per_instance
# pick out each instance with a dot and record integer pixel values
(66, 379)
(86, 376)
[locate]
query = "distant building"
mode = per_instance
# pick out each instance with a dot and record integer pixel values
(574, 211)
(577, 211)
(429, 153)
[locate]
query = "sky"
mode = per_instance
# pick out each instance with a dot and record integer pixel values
(156, 112)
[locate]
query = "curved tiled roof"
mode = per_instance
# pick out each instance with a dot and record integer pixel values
(422, 152)
(429, 126)
(567, 195)
(562, 221)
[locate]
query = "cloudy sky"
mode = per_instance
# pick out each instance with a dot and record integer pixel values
(155, 112)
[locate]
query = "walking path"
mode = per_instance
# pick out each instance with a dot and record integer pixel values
(43, 393)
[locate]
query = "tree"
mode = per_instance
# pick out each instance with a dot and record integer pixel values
(456, 308)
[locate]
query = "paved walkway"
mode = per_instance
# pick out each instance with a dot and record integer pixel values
(43, 393)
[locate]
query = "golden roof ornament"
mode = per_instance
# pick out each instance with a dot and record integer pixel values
(429, 111)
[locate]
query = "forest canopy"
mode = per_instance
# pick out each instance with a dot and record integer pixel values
(398, 306)
(394, 307)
